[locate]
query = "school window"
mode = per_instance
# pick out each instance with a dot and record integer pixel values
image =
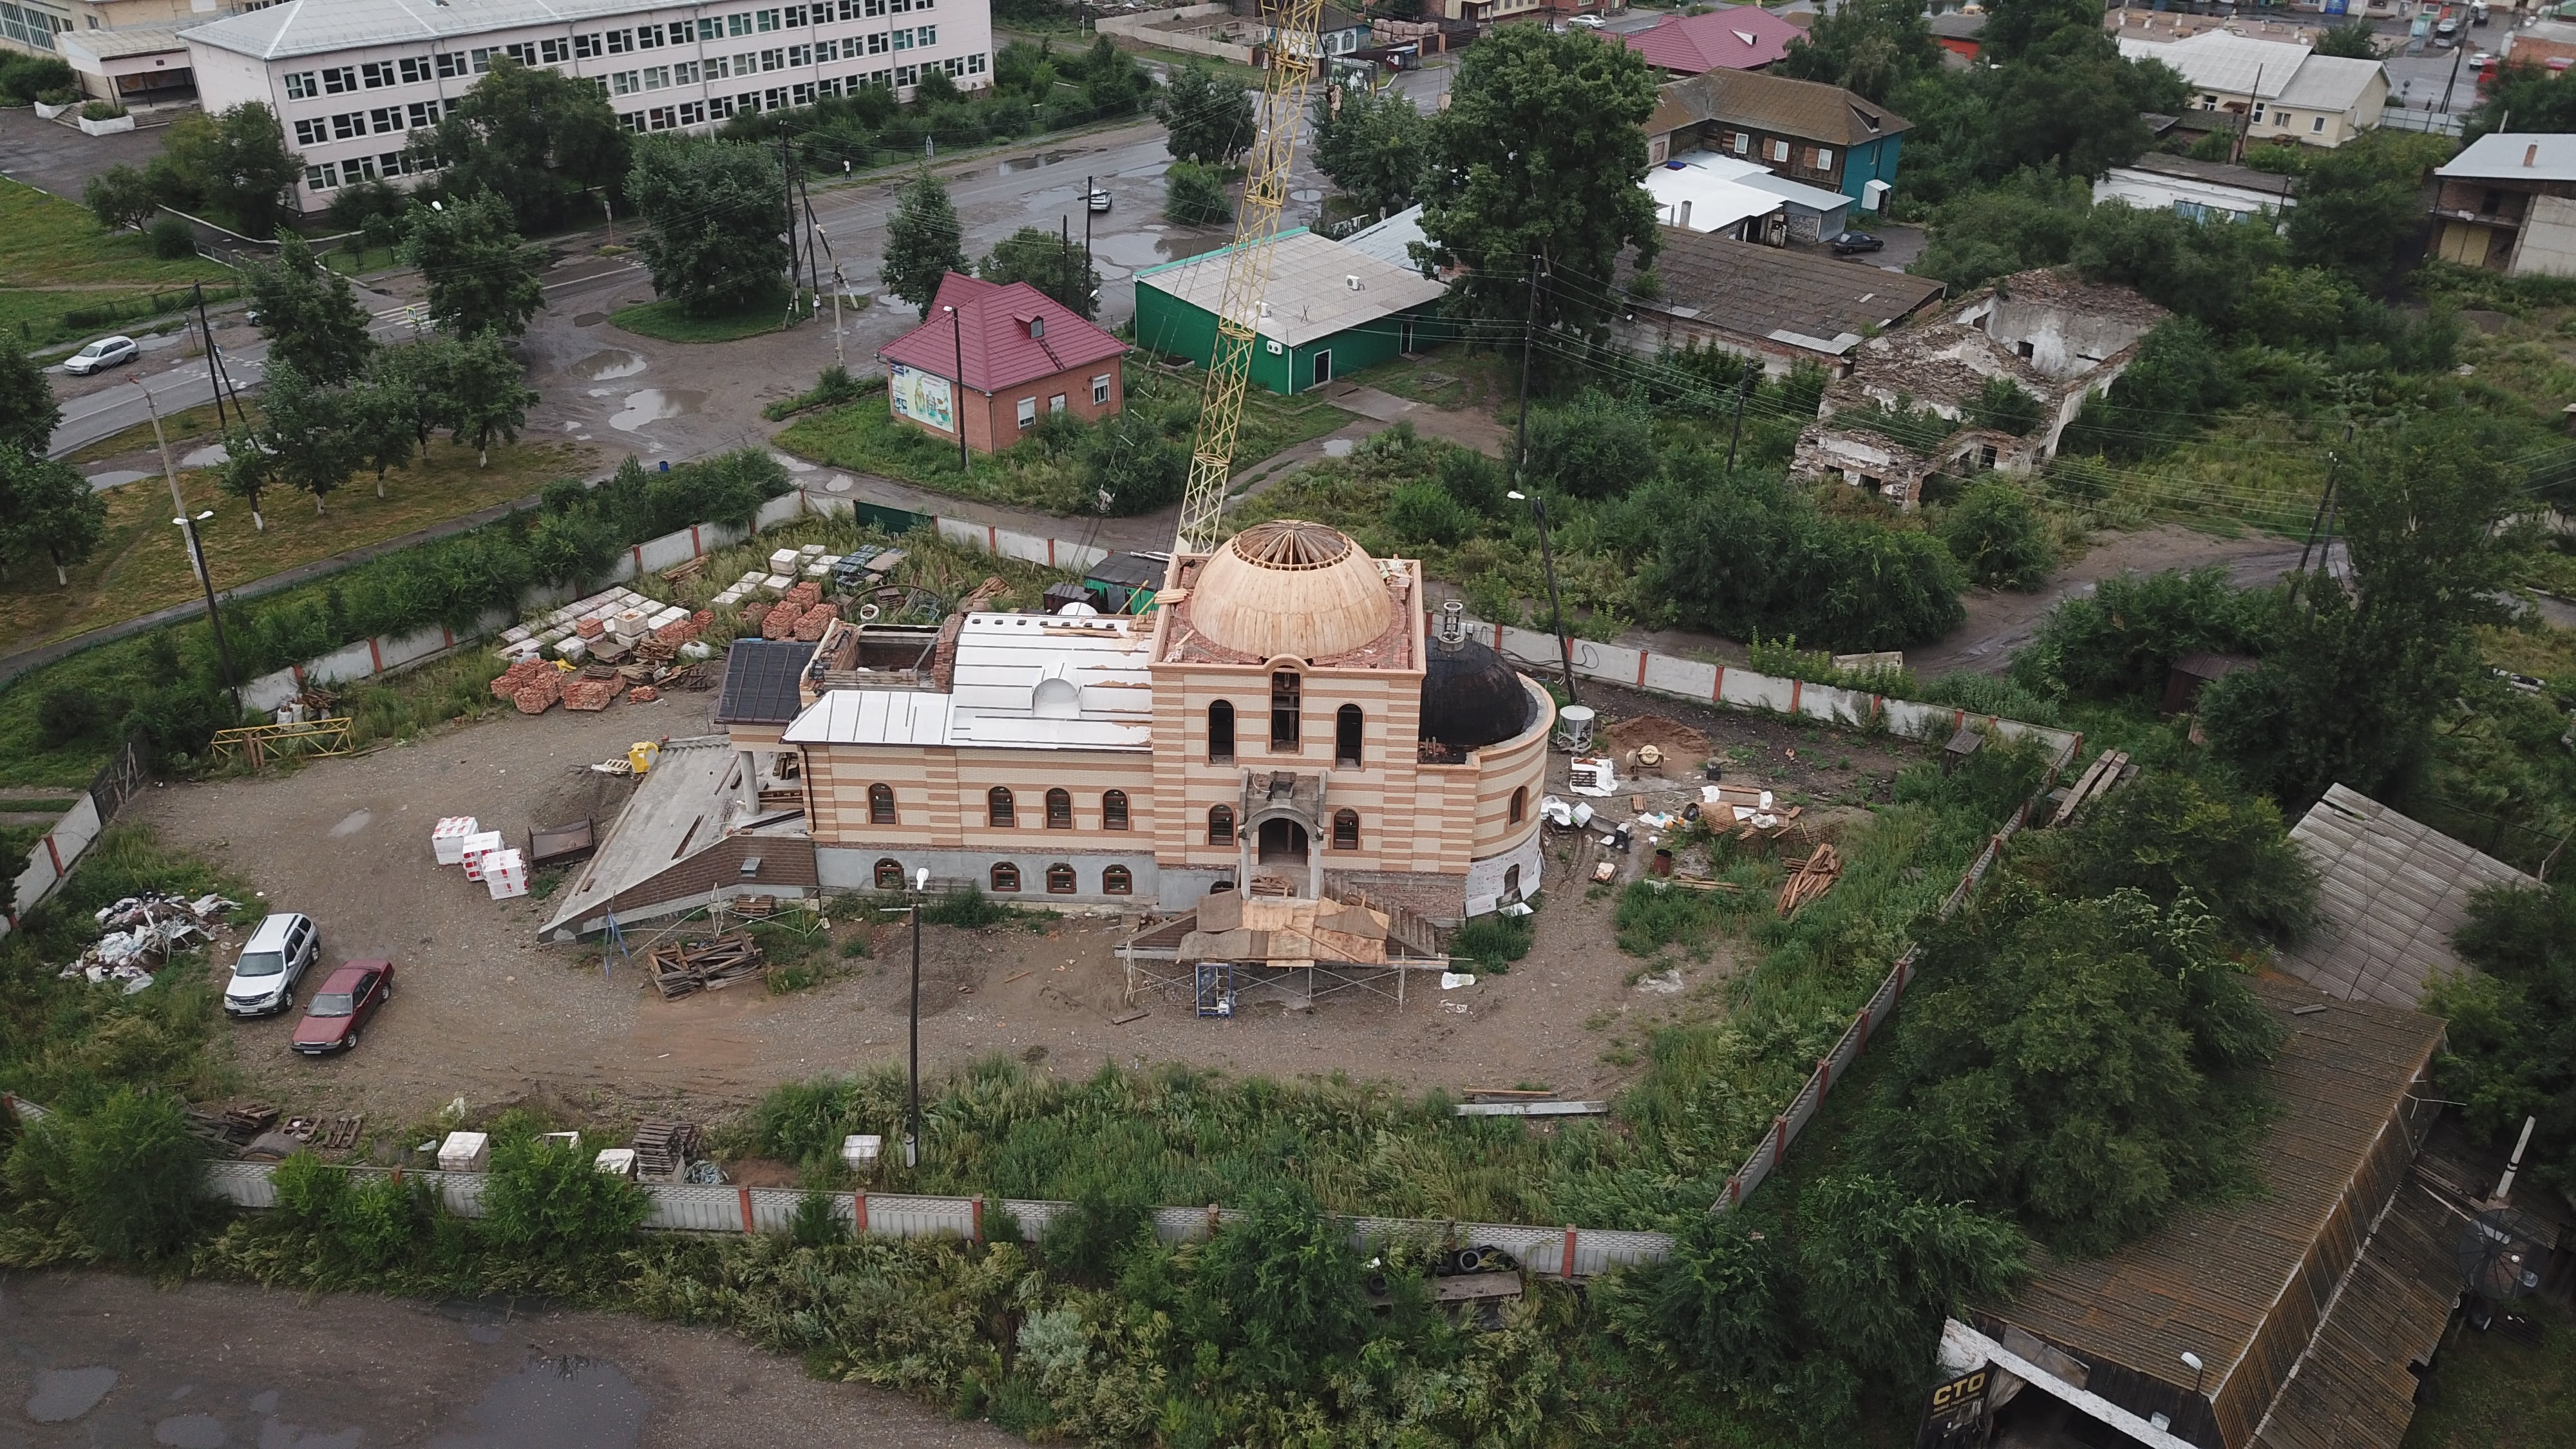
(523, 53)
(657, 77)
(414, 69)
(424, 113)
(877, 44)
(774, 99)
(626, 82)
(387, 120)
(661, 118)
(1006, 876)
(1059, 879)
(802, 94)
(312, 133)
(907, 75)
(880, 77)
(953, 65)
(631, 120)
(339, 78)
(926, 36)
(620, 41)
(738, 24)
(903, 40)
(376, 74)
(586, 47)
(348, 124)
(876, 8)
(1113, 810)
(975, 63)
(359, 168)
(555, 51)
(826, 52)
(713, 68)
(451, 64)
(648, 37)
(800, 56)
(720, 107)
(768, 21)
(481, 60)
(1117, 880)
(772, 59)
(322, 177)
(685, 73)
(796, 17)
(710, 28)
(304, 85)
(1028, 411)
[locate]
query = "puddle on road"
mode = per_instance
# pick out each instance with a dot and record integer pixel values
(653, 404)
(191, 1431)
(1147, 249)
(63, 1395)
(115, 478)
(563, 1403)
(609, 363)
(352, 823)
(1032, 163)
(791, 462)
(589, 319)
(207, 457)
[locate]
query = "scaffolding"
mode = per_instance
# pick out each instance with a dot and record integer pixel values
(1236, 951)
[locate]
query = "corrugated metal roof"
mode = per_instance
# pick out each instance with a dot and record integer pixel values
(1391, 241)
(873, 717)
(2331, 83)
(2352, 1388)
(2205, 1281)
(2502, 156)
(1740, 37)
(1695, 199)
(2390, 892)
(1309, 294)
(1032, 681)
(992, 327)
(316, 27)
(2227, 64)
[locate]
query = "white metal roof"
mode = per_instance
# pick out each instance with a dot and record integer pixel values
(1761, 178)
(2330, 83)
(1310, 295)
(2502, 156)
(1391, 240)
(1702, 200)
(317, 27)
(2226, 64)
(1029, 681)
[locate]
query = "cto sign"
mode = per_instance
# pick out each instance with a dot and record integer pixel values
(1955, 1418)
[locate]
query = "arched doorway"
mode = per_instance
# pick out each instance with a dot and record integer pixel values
(1283, 842)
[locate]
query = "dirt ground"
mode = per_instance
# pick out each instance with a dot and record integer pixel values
(485, 1012)
(102, 1358)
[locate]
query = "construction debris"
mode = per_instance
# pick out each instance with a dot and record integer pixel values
(1812, 878)
(681, 968)
(663, 1149)
(250, 1119)
(2108, 772)
(143, 932)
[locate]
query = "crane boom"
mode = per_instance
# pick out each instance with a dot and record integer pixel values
(1293, 53)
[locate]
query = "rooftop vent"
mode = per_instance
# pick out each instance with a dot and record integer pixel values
(1453, 626)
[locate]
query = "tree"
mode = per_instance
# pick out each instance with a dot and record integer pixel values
(2122, 641)
(1869, 47)
(247, 472)
(481, 276)
(2352, 39)
(2066, 99)
(1210, 119)
(1047, 261)
(28, 412)
(2510, 1041)
(2171, 837)
(305, 428)
(1195, 195)
(712, 231)
(121, 197)
(2525, 90)
(1131, 466)
(2359, 204)
(384, 417)
(413, 378)
(1375, 148)
(924, 241)
(1747, 555)
(569, 545)
(234, 164)
(47, 509)
(359, 203)
(1883, 1267)
(532, 135)
(484, 396)
(1999, 537)
(1539, 157)
(1112, 81)
(125, 1181)
(309, 314)
(1278, 1294)
(1596, 446)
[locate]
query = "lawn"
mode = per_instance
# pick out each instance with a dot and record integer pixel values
(1453, 378)
(668, 321)
(55, 259)
(141, 563)
(865, 437)
(186, 429)
(2488, 1392)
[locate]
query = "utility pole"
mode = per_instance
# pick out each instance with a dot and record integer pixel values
(2453, 83)
(957, 394)
(840, 351)
(787, 172)
(912, 1117)
(610, 208)
(1743, 385)
(1538, 506)
(196, 546)
(1089, 185)
(2324, 515)
(1529, 329)
(214, 374)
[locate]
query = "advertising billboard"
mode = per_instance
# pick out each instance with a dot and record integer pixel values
(922, 397)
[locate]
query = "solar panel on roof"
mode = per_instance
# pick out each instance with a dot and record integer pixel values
(760, 681)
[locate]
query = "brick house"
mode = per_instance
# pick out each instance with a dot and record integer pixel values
(1806, 131)
(996, 359)
(2508, 204)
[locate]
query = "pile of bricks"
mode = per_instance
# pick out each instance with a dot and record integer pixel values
(531, 684)
(592, 689)
(642, 694)
(811, 624)
(799, 615)
(681, 632)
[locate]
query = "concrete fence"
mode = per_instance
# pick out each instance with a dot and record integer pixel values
(1210, 35)
(51, 859)
(1556, 1252)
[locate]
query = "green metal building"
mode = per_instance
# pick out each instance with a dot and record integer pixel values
(1330, 311)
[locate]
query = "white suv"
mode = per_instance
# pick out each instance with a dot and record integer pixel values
(272, 961)
(105, 352)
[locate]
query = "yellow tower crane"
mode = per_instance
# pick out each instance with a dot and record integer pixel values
(1294, 51)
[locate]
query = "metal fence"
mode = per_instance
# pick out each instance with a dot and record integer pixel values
(1566, 1252)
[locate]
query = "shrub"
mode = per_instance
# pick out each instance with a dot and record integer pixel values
(2171, 837)
(1475, 480)
(310, 1192)
(1278, 1293)
(1999, 537)
(1195, 195)
(969, 909)
(546, 1201)
(1492, 942)
(1132, 466)
(172, 239)
(101, 111)
(1085, 1242)
(65, 713)
(125, 1181)
(1597, 446)
(1425, 512)
(381, 1223)
(25, 78)
(2121, 642)
(815, 1224)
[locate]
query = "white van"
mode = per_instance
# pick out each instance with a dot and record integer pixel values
(272, 961)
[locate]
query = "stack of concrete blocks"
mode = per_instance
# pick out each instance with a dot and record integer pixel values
(476, 846)
(447, 838)
(505, 874)
(812, 561)
(560, 631)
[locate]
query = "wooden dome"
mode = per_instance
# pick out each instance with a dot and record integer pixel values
(1292, 588)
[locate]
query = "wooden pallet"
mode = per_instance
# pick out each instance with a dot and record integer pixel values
(680, 968)
(663, 1149)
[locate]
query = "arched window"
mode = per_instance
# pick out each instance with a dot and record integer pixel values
(880, 804)
(1286, 690)
(1520, 804)
(998, 809)
(1006, 876)
(1117, 880)
(1346, 737)
(1220, 887)
(889, 875)
(1221, 732)
(1220, 825)
(1059, 879)
(1059, 810)
(1113, 810)
(1346, 830)
(1512, 884)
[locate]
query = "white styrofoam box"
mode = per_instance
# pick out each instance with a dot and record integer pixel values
(465, 1152)
(447, 838)
(476, 846)
(572, 650)
(505, 874)
(777, 583)
(811, 550)
(627, 624)
(861, 1149)
(514, 634)
(616, 1161)
(782, 560)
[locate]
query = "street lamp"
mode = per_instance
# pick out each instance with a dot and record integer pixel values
(196, 547)
(1555, 605)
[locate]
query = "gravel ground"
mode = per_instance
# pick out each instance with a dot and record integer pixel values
(485, 1012)
(101, 1358)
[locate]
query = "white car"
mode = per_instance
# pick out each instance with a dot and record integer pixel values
(1588, 22)
(272, 961)
(1098, 199)
(105, 352)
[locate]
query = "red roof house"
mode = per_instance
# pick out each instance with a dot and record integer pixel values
(1746, 37)
(1015, 354)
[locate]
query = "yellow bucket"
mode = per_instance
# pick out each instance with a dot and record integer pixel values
(641, 755)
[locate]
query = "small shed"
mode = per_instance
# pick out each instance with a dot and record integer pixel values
(1126, 583)
(1966, 742)
(2192, 673)
(1329, 311)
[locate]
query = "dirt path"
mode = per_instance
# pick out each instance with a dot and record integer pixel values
(101, 1358)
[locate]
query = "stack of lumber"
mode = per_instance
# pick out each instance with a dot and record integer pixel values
(663, 1149)
(1812, 878)
(681, 968)
(2110, 770)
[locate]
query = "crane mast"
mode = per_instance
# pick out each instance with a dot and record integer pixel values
(1294, 52)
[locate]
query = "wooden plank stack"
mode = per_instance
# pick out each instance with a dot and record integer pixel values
(663, 1149)
(682, 968)
(1812, 878)
(2109, 770)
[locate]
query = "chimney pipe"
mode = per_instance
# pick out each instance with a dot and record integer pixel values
(2531, 154)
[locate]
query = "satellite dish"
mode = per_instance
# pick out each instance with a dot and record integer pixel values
(2500, 1254)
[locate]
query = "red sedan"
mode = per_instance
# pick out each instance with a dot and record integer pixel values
(343, 1006)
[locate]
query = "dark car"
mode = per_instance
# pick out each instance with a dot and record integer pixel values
(343, 1007)
(1845, 243)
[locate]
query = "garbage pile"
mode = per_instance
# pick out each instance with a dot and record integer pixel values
(142, 933)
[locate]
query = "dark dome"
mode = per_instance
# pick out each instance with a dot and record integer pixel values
(1470, 697)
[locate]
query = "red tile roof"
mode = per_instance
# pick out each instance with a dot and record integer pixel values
(1000, 352)
(1747, 37)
